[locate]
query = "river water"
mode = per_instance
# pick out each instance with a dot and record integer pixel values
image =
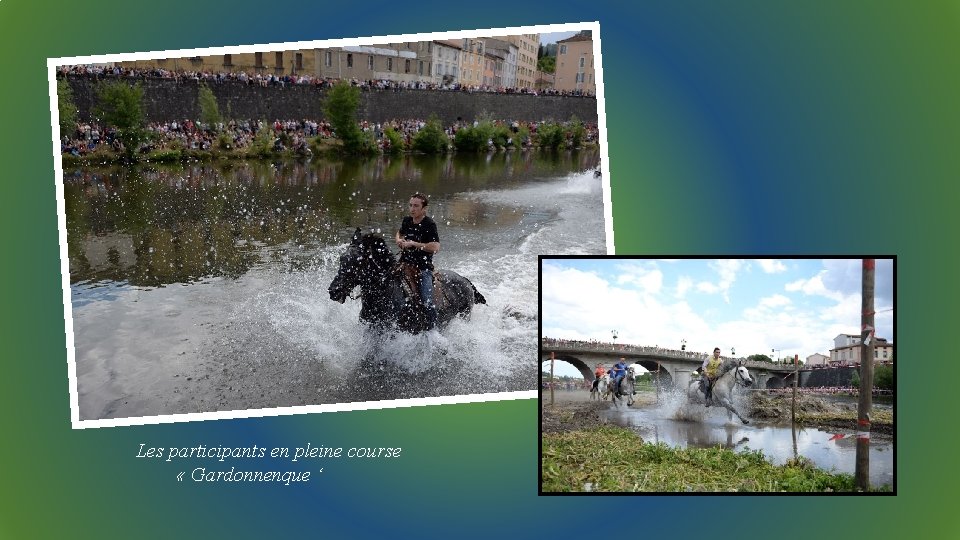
(204, 287)
(682, 425)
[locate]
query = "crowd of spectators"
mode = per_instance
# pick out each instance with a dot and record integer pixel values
(275, 80)
(291, 135)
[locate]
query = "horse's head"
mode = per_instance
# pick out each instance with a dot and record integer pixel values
(631, 373)
(366, 257)
(743, 376)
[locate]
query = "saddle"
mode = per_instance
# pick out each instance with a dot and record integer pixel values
(410, 281)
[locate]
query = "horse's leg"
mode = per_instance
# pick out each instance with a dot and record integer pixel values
(730, 408)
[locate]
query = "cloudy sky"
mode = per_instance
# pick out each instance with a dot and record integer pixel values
(796, 306)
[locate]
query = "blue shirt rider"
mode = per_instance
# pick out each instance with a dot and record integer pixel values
(618, 371)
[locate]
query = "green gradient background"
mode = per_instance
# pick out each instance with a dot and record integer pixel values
(746, 127)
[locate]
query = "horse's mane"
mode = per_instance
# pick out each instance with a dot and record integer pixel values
(376, 246)
(727, 365)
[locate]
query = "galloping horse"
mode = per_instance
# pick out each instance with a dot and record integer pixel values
(600, 390)
(627, 387)
(732, 373)
(386, 299)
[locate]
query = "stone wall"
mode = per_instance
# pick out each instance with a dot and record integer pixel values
(166, 100)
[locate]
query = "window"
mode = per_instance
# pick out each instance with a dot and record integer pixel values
(349, 60)
(258, 59)
(581, 61)
(389, 64)
(228, 60)
(406, 66)
(420, 68)
(370, 62)
(299, 60)
(279, 59)
(563, 49)
(328, 59)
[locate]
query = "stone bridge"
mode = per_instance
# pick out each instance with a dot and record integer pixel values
(675, 367)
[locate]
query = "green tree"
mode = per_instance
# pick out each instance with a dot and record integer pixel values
(395, 140)
(66, 108)
(759, 358)
(120, 105)
(883, 377)
(209, 110)
(577, 131)
(340, 108)
(550, 135)
(547, 64)
(431, 139)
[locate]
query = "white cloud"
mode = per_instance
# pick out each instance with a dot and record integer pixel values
(683, 285)
(772, 266)
(727, 270)
(650, 280)
(777, 300)
(814, 287)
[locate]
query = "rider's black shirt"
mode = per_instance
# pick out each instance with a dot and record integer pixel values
(424, 233)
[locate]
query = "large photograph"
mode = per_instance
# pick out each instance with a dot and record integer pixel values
(302, 225)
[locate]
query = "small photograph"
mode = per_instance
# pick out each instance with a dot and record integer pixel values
(306, 226)
(717, 375)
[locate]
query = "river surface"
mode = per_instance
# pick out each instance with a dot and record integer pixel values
(204, 287)
(680, 425)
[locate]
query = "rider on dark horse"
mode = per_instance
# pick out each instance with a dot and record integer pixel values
(598, 374)
(709, 375)
(418, 239)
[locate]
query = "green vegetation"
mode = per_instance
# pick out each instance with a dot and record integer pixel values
(431, 139)
(614, 459)
(66, 107)
(760, 358)
(550, 135)
(577, 131)
(209, 111)
(121, 105)
(474, 138)
(395, 141)
(547, 64)
(340, 108)
(883, 377)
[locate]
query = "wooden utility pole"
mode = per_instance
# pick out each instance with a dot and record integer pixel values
(796, 376)
(551, 379)
(867, 343)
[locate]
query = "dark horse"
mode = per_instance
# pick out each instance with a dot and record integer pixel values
(386, 298)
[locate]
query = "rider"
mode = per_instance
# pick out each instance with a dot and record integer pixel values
(709, 368)
(598, 374)
(618, 371)
(418, 239)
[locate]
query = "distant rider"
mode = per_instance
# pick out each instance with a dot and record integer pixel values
(618, 371)
(598, 374)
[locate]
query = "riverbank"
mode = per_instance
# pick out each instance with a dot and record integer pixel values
(582, 452)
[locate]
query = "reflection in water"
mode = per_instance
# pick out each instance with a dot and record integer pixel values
(780, 443)
(152, 226)
(202, 287)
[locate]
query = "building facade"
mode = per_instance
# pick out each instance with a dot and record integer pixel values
(847, 350)
(575, 64)
(528, 45)
(817, 359)
(446, 61)
(471, 61)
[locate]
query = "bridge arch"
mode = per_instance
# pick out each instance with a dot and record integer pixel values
(666, 379)
(585, 370)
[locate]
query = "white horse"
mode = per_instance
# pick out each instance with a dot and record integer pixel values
(599, 391)
(627, 387)
(731, 374)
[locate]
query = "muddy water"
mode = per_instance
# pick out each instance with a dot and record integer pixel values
(677, 424)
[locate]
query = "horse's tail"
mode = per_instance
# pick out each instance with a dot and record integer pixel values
(477, 297)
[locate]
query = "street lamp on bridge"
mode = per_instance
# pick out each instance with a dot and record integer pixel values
(614, 333)
(683, 344)
(775, 359)
(733, 352)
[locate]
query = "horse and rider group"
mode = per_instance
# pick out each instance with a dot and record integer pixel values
(713, 384)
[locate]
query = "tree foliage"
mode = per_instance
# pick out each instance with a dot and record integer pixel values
(66, 107)
(209, 110)
(431, 139)
(120, 106)
(760, 358)
(340, 108)
(547, 64)
(550, 135)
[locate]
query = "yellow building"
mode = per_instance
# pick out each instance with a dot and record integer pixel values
(528, 46)
(471, 61)
(575, 64)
